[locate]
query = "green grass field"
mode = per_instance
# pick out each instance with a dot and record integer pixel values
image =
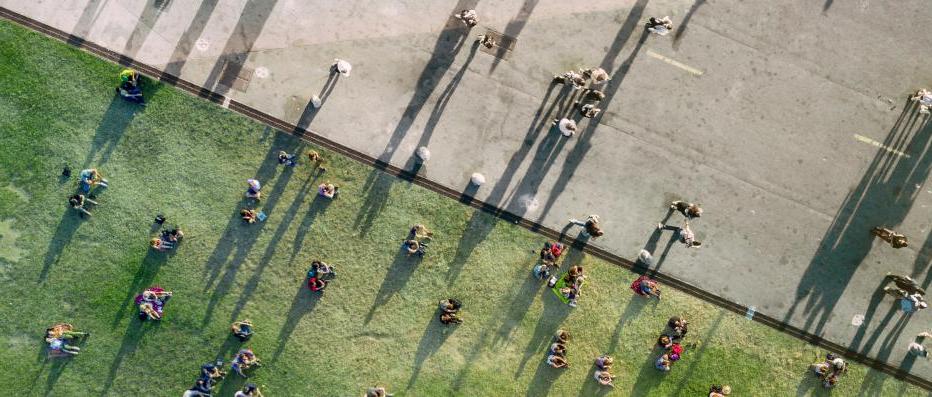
(375, 324)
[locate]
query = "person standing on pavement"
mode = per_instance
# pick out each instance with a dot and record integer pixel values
(905, 285)
(661, 26)
(469, 17)
(342, 67)
(591, 225)
(567, 126)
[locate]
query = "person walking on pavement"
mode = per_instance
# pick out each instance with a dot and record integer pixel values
(905, 285)
(342, 67)
(571, 77)
(593, 229)
(895, 239)
(684, 234)
(689, 210)
(567, 126)
(924, 98)
(469, 17)
(660, 26)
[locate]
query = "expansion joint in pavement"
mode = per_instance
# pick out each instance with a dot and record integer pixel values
(464, 198)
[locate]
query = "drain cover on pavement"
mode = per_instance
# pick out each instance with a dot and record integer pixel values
(503, 46)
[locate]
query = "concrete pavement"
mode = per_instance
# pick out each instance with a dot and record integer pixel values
(786, 120)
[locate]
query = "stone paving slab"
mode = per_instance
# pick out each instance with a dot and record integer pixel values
(784, 119)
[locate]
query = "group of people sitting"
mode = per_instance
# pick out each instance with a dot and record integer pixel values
(377, 391)
(245, 359)
(830, 369)
(210, 375)
(669, 343)
(254, 192)
(58, 336)
(87, 180)
(603, 370)
(328, 190)
(130, 88)
(908, 291)
(449, 311)
(151, 302)
(556, 356)
(319, 275)
(549, 259)
(167, 239)
(569, 287)
(416, 242)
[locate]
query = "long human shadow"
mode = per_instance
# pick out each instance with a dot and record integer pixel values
(827, 5)
(303, 303)
(651, 245)
(681, 29)
(481, 224)
(444, 98)
(187, 40)
(449, 42)
(397, 276)
(283, 226)
(131, 338)
(110, 130)
(544, 378)
(514, 28)
(310, 112)
(576, 155)
(869, 318)
(550, 321)
(238, 46)
(145, 275)
(150, 15)
(243, 237)
(67, 226)
(521, 299)
(85, 22)
(317, 208)
(923, 258)
(55, 370)
(377, 189)
(884, 196)
(435, 334)
(696, 356)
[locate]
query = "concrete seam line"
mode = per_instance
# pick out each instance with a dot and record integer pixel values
(500, 213)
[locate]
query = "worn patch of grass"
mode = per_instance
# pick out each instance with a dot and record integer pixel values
(375, 324)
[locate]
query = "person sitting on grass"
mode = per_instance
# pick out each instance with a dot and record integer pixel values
(420, 232)
(678, 326)
(377, 391)
(242, 330)
(89, 178)
(556, 361)
(173, 236)
(413, 247)
(249, 390)
(449, 309)
(663, 363)
(129, 88)
(321, 270)
(571, 294)
(253, 189)
(249, 216)
(151, 302)
(60, 346)
(561, 336)
(58, 335)
(245, 359)
(287, 159)
(551, 252)
(212, 372)
(316, 284)
(328, 190)
(542, 270)
(605, 377)
(316, 159)
(160, 245)
(77, 203)
(646, 287)
(558, 349)
(202, 387)
(719, 390)
(664, 342)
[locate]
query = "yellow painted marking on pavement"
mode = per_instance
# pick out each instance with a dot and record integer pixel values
(676, 63)
(880, 145)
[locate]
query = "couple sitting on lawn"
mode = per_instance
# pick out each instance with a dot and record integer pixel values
(416, 243)
(319, 275)
(151, 302)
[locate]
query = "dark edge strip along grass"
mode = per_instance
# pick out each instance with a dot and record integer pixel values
(464, 198)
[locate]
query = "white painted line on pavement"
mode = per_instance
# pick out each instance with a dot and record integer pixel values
(880, 145)
(226, 102)
(676, 63)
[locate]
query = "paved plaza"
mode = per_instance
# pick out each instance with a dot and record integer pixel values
(787, 120)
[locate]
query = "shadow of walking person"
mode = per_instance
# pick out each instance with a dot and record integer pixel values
(303, 303)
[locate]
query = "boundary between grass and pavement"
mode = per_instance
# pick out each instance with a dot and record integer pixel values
(463, 197)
